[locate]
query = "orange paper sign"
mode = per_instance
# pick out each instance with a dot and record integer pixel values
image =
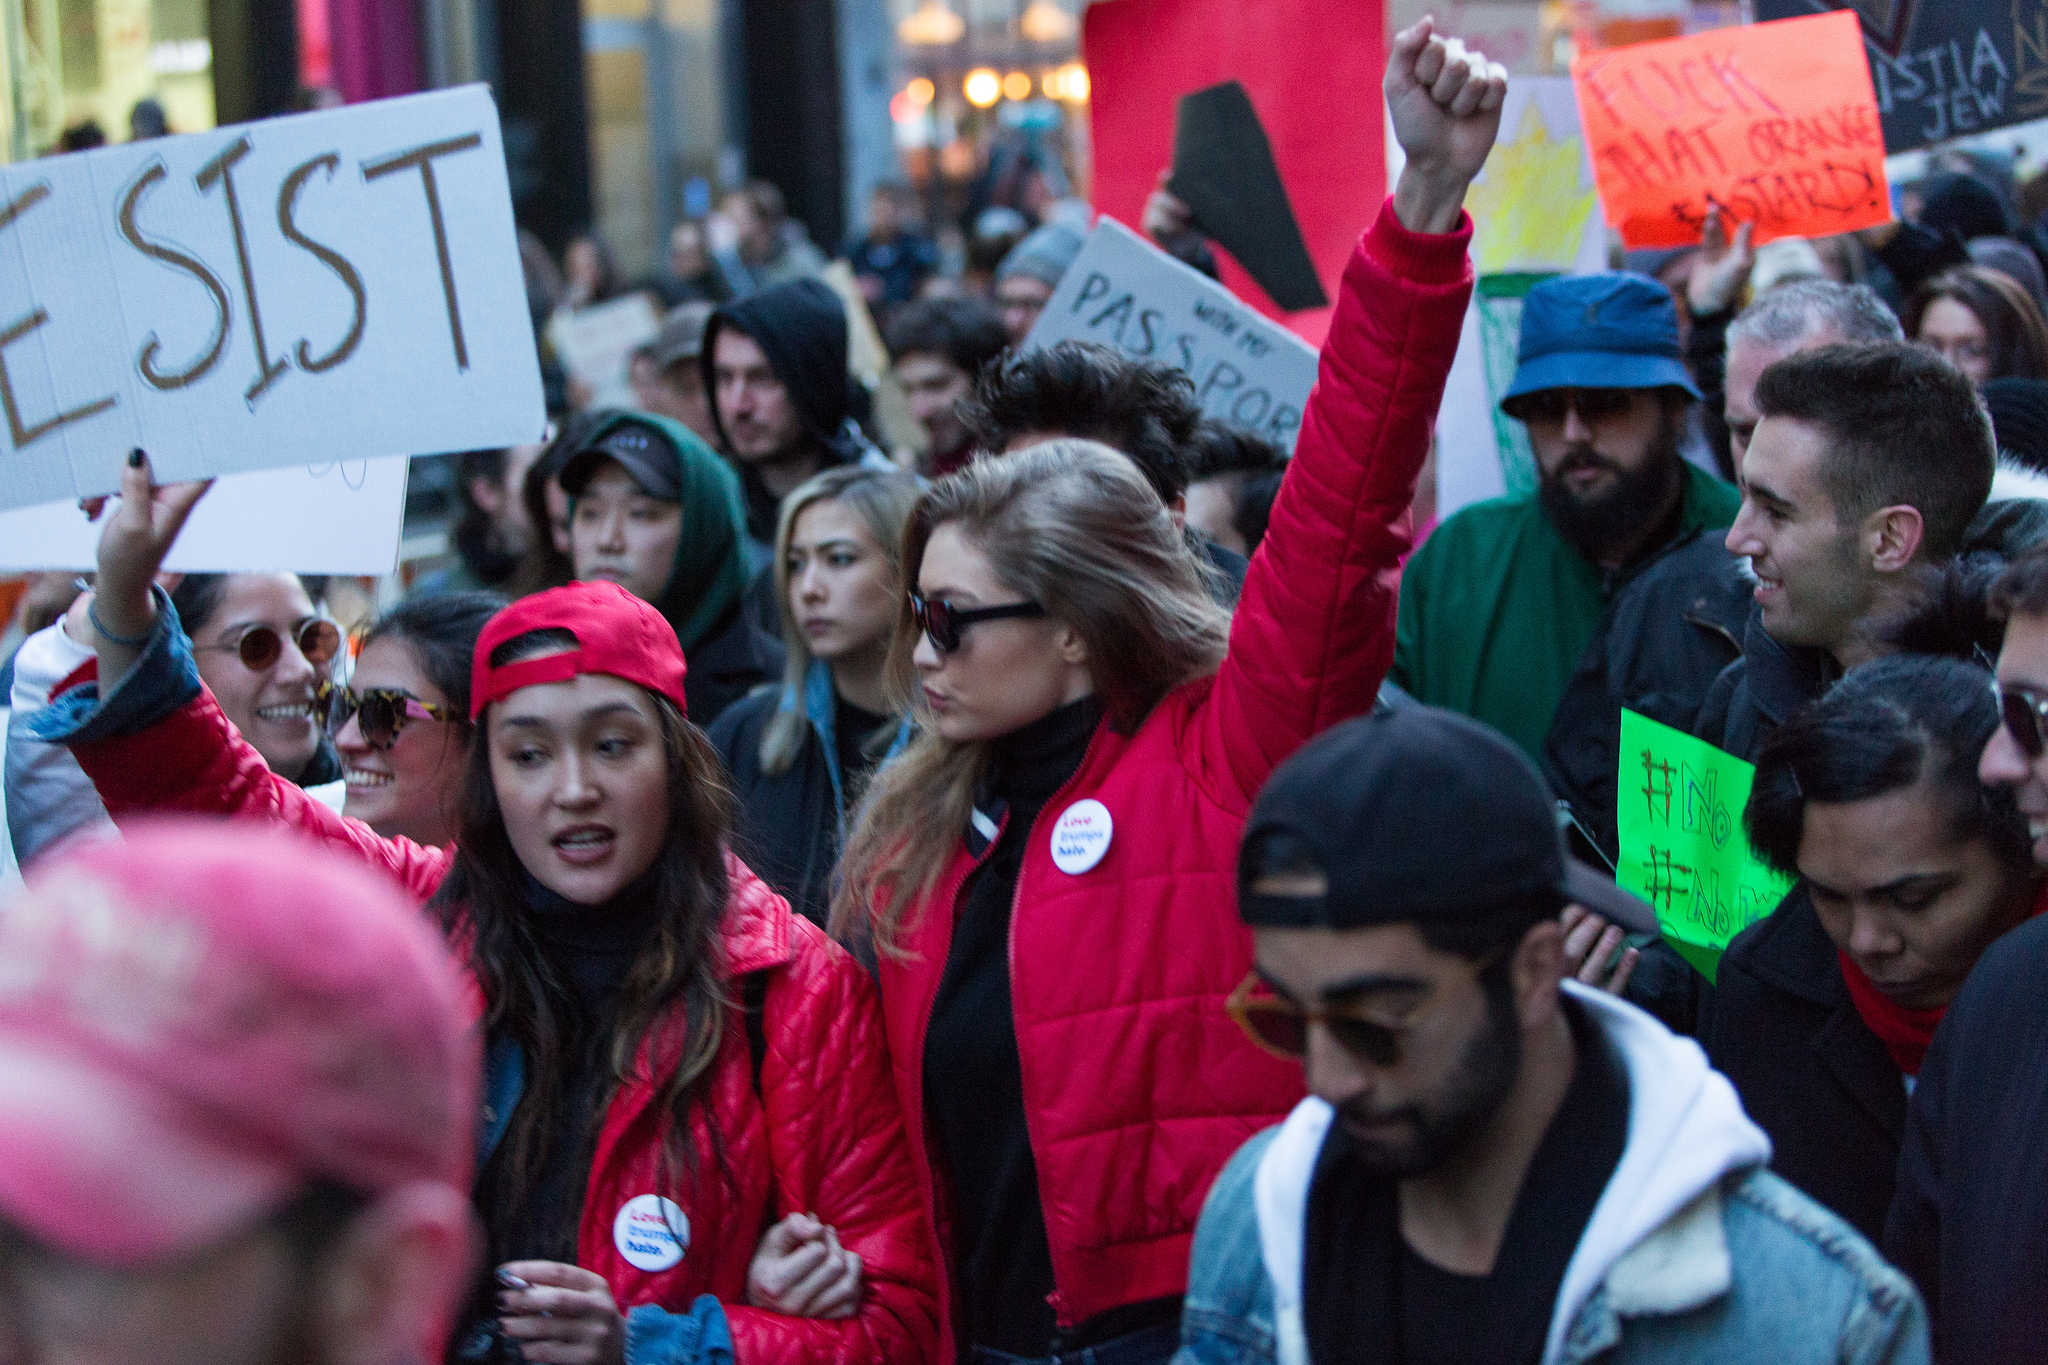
(1776, 124)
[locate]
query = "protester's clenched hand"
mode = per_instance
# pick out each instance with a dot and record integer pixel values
(1165, 216)
(1722, 268)
(1589, 944)
(801, 1270)
(1445, 102)
(565, 1317)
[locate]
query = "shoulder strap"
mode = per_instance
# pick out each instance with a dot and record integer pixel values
(753, 1000)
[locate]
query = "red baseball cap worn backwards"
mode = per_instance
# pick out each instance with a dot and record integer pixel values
(202, 1019)
(616, 634)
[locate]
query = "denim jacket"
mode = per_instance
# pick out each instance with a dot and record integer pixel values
(1745, 1268)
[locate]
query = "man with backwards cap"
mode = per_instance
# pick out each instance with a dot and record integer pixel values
(1495, 1164)
(238, 1097)
(1502, 599)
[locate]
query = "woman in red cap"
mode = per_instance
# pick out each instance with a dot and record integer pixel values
(1047, 872)
(674, 1060)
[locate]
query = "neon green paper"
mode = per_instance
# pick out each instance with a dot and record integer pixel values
(1679, 819)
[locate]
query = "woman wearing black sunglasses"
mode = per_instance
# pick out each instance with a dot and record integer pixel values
(1046, 873)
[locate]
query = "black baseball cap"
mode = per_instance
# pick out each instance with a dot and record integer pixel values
(645, 453)
(1415, 814)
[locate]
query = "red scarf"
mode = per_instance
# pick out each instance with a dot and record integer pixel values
(1905, 1033)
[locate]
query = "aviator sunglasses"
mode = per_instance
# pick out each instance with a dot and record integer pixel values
(380, 712)
(261, 646)
(942, 622)
(2024, 713)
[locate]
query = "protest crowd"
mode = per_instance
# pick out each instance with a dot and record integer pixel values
(988, 860)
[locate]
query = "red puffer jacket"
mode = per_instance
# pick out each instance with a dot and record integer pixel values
(822, 1135)
(1137, 1086)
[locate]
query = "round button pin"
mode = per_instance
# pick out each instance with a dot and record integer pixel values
(1081, 836)
(652, 1233)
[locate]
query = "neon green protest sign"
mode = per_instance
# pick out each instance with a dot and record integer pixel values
(1679, 818)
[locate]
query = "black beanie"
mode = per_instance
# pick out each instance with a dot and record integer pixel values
(1963, 204)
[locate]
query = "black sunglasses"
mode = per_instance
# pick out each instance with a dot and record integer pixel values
(1593, 405)
(942, 622)
(380, 712)
(260, 647)
(2024, 713)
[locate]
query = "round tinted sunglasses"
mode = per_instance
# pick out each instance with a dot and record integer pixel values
(1280, 1026)
(942, 622)
(2024, 714)
(380, 712)
(260, 646)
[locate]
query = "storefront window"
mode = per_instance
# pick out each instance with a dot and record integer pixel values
(73, 65)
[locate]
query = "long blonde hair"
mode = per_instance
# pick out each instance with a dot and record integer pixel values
(882, 499)
(1069, 524)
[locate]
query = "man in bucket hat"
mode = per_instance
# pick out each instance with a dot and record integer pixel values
(238, 1098)
(1499, 604)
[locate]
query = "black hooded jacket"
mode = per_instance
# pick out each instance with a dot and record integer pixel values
(801, 329)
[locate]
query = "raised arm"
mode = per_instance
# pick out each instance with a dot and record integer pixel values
(1314, 632)
(146, 730)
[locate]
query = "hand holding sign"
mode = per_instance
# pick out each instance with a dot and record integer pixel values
(1445, 104)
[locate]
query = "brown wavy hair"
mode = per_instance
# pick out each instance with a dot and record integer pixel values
(1072, 525)
(2010, 317)
(676, 982)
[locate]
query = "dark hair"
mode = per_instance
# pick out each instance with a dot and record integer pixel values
(440, 632)
(1143, 409)
(471, 534)
(1221, 447)
(1902, 425)
(483, 904)
(1884, 727)
(199, 595)
(313, 1220)
(1495, 930)
(766, 197)
(1950, 610)
(968, 332)
(1255, 508)
(2023, 587)
(2010, 317)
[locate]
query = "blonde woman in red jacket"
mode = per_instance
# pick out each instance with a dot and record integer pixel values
(690, 1149)
(1046, 876)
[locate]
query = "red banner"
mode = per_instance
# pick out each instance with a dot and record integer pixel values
(1313, 70)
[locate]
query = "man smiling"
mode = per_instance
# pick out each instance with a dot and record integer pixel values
(1868, 463)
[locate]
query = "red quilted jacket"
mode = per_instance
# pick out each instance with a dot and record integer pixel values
(824, 1134)
(1137, 1086)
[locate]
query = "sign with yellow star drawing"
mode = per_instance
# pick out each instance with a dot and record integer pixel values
(1533, 203)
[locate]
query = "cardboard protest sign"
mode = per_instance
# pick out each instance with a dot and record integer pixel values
(340, 518)
(1125, 293)
(1535, 213)
(1775, 124)
(332, 286)
(596, 345)
(1946, 68)
(1679, 817)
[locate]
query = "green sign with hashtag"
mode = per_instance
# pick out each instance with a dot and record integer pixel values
(1679, 817)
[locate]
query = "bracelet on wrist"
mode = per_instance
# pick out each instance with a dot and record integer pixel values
(92, 614)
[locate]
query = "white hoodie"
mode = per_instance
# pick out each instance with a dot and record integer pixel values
(1686, 1130)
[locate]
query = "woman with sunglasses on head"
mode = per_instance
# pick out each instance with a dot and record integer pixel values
(801, 754)
(689, 1141)
(1908, 869)
(259, 643)
(1046, 874)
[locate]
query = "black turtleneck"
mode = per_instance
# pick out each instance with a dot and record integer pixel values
(590, 948)
(974, 1085)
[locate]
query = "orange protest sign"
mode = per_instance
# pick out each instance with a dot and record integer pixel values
(1776, 124)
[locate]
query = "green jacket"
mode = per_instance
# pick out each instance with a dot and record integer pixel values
(1496, 608)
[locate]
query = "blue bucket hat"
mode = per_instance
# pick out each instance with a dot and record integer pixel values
(1608, 331)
